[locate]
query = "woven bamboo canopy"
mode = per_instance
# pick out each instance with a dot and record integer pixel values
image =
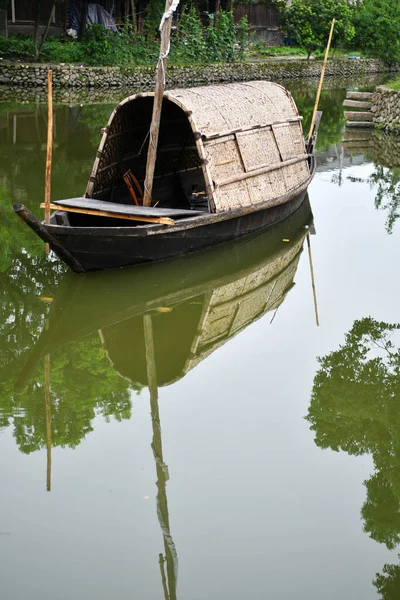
(240, 143)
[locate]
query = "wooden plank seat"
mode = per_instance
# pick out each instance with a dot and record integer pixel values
(147, 214)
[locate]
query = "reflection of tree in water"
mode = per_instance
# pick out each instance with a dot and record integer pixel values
(332, 122)
(388, 582)
(83, 386)
(388, 193)
(355, 407)
(83, 383)
(384, 151)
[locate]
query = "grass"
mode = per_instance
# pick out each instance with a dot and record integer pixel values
(395, 85)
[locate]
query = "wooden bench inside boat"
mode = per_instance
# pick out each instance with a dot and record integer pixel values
(146, 214)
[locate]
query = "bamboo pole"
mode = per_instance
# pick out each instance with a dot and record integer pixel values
(157, 105)
(321, 82)
(171, 557)
(48, 418)
(312, 278)
(49, 149)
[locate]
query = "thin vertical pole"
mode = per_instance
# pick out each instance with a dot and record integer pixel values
(48, 418)
(312, 278)
(49, 149)
(157, 105)
(321, 82)
(171, 557)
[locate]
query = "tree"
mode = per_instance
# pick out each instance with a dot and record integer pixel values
(377, 26)
(309, 21)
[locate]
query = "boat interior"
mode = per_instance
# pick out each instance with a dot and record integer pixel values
(119, 178)
(178, 178)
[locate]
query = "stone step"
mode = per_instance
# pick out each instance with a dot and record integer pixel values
(357, 104)
(358, 116)
(359, 95)
(364, 124)
(359, 135)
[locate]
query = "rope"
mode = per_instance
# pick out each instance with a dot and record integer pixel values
(161, 59)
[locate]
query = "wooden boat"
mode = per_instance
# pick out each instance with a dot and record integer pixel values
(196, 302)
(231, 160)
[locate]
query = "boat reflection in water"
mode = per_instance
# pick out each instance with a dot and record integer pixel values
(156, 322)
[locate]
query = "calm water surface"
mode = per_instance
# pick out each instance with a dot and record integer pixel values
(186, 430)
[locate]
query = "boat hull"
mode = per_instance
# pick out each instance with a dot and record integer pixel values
(102, 249)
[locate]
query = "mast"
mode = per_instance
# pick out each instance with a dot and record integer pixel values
(165, 29)
(171, 557)
(49, 150)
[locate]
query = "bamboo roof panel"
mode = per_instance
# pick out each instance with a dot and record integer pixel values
(244, 133)
(219, 109)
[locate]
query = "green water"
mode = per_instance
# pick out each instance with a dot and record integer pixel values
(186, 430)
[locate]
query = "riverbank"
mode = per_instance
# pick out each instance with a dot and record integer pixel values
(31, 75)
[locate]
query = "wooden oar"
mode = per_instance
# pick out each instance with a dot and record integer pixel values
(311, 132)
(49, 149)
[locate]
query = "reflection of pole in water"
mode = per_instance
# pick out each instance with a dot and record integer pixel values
(171, 557)
(312, 278)
(48, 417)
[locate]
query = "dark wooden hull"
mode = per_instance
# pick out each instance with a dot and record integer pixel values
(100, 248)
(94, 248)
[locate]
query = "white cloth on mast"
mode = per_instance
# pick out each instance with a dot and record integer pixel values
(169, 12)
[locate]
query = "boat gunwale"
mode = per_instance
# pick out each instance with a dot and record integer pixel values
(183, 224)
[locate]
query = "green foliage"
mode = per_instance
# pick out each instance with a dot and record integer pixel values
(309, 21)
(16, 45)
(154, 12)
(388, 582)
(395, 85)
(261, 48)
(377, 25)
(243, 36)
(189, 44)
(354, 408)
(220, 38)
(220, 41)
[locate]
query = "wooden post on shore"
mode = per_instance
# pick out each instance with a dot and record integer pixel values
(49, 149)
(311, 132)
(158, 98)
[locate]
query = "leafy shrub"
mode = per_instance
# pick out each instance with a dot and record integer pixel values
(192, 43)
(215, 43)
(189, 42)
(16, 45)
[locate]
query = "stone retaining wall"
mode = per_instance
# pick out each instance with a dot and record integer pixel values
(78, 76)
(113, 95)
(386, 108)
